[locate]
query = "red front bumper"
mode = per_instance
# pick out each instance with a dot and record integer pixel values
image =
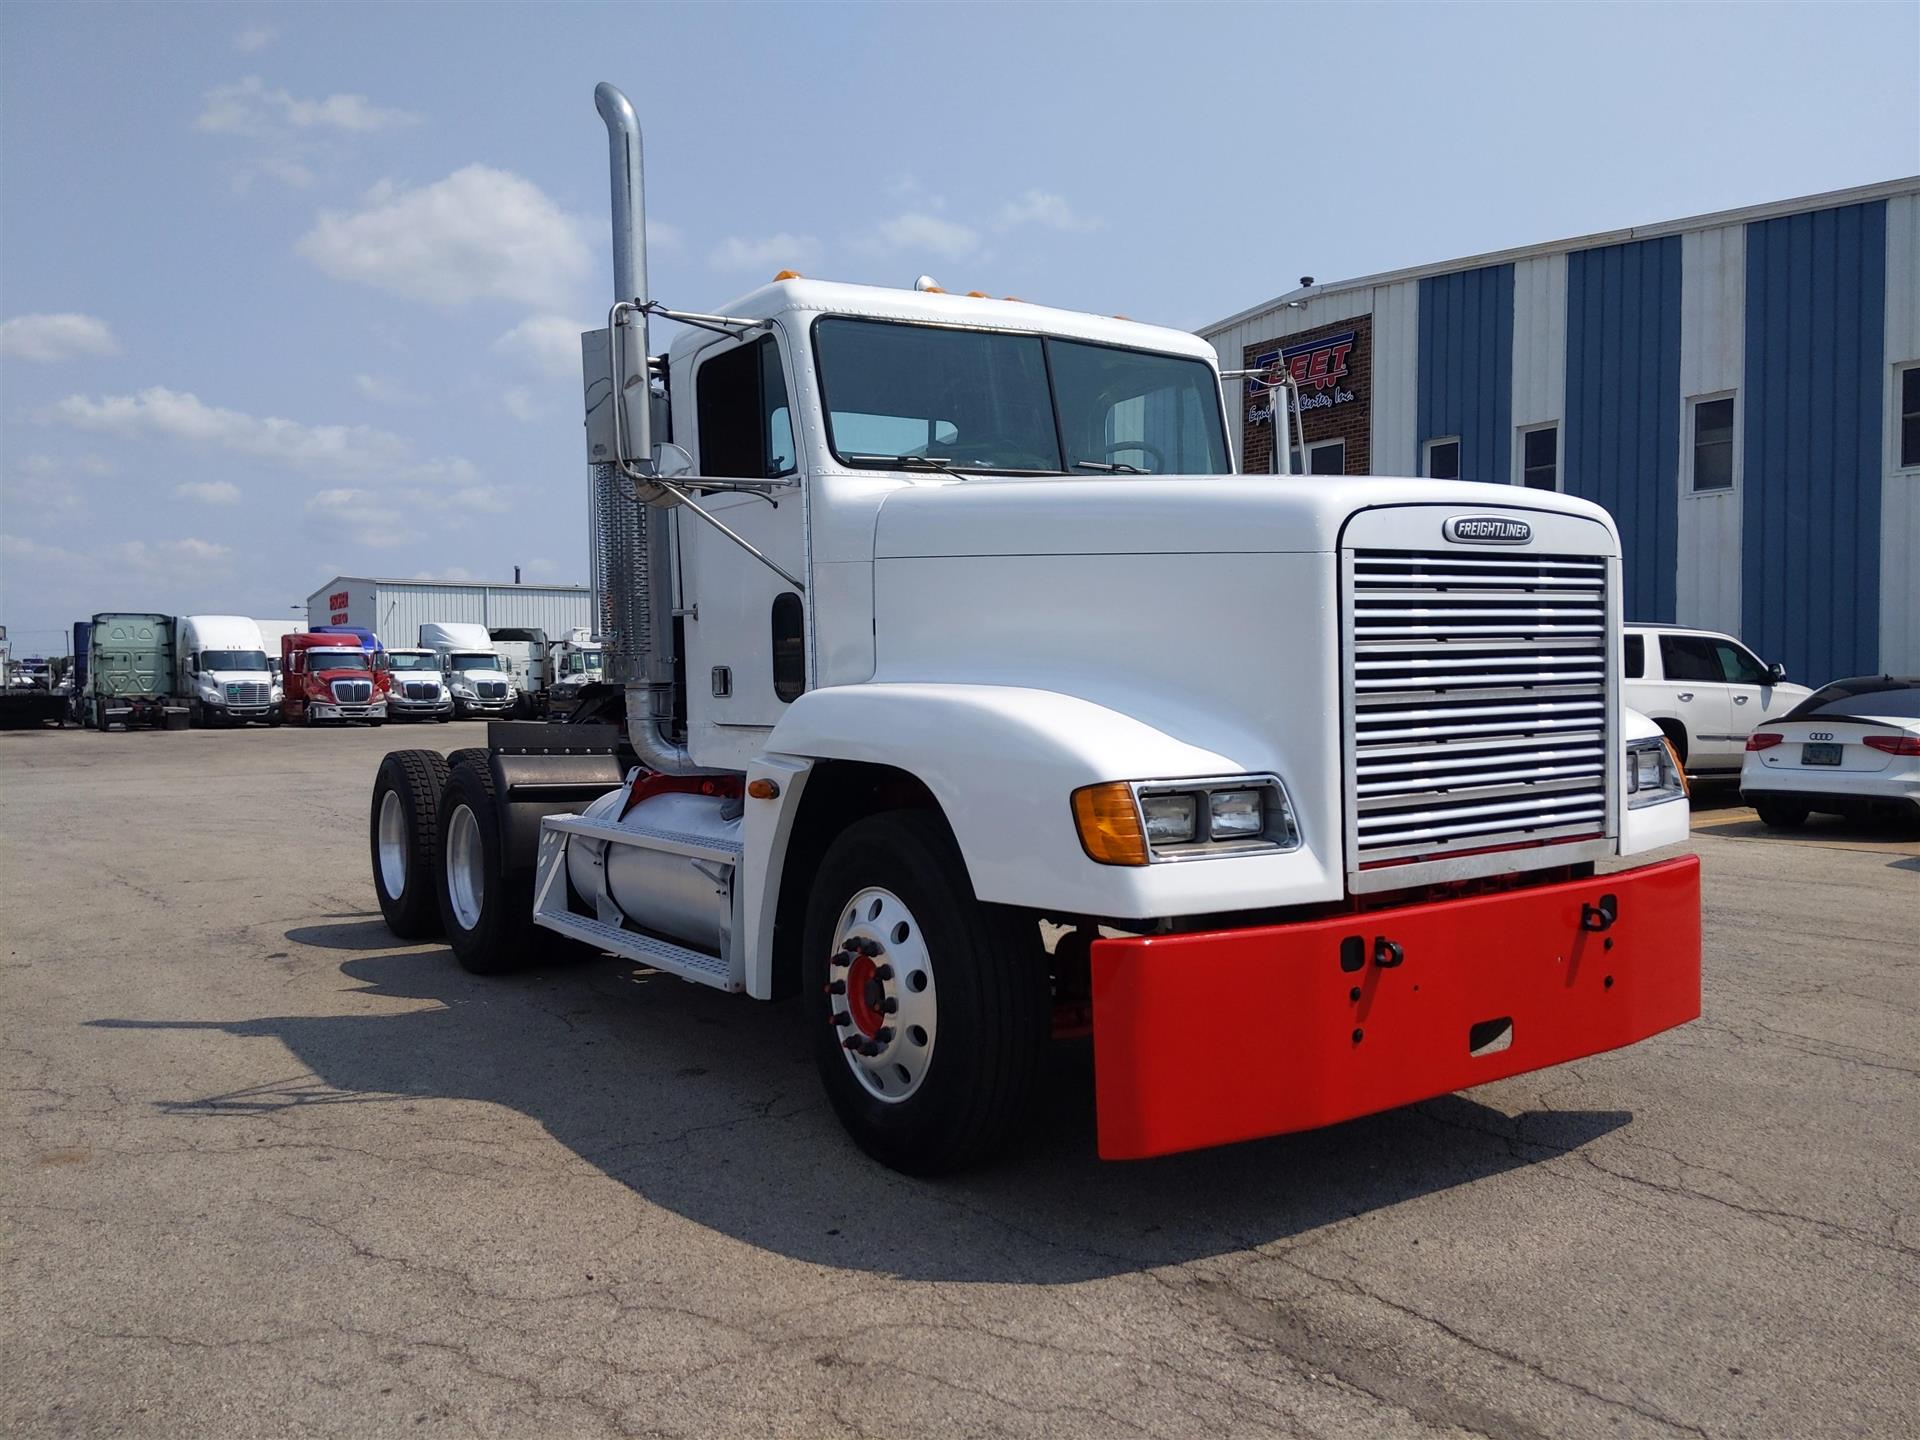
(1231, 1034)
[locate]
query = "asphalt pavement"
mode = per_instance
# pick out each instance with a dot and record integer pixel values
(266, 1172)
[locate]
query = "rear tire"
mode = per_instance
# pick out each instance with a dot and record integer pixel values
(403, 832)
(994, 1007)
(487, 913)
(1782, 814)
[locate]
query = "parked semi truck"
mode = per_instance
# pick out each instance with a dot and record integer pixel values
(330, 678)
(26, 692)
(223, 672)
(1017, 712)
(474, 669)
(527, 656)
(419, 691)
(129, 673)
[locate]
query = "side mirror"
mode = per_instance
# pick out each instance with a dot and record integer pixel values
(1776, 672)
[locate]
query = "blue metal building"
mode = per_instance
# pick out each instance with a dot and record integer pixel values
(1741, 391)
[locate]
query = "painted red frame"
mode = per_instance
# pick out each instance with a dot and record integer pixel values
(1225, 1035)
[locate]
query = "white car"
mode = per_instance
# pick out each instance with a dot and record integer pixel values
(1851, 748)
(1705, 690)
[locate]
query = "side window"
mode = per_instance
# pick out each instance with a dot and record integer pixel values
(1689, 658)
(1540, 458)
(1443, 458)
(1713, 444)
(1738, 665)
(789, 649)
(1329, 457)
(1636, 656)
(1907, 401)
(746, 425)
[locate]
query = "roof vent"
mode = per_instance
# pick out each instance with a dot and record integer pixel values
(928, 284)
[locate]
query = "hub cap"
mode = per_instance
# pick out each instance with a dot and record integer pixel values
(466, 867)
(393, 844)
(880, 994)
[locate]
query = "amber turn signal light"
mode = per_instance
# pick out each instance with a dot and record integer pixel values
(1109, 824)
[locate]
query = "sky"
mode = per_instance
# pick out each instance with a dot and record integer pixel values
(294, 291)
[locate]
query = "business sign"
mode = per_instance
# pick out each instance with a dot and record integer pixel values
(337, 603)
(1317, 367)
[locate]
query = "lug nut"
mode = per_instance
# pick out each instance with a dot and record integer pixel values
(838, 987)
(854, 1042)
(882, 972)
(882, 1036)
(840, 1017)
(889, 1005)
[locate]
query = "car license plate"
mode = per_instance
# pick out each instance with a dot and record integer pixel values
(1816, 753)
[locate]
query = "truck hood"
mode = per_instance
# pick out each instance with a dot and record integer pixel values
(1164, 515)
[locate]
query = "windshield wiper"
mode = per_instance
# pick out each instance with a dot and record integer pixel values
(1110, 467)
(910, 462)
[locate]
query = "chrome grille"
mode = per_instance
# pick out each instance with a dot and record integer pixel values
(417, 690)
(1478, 696)
(490, 689)
(353, 692)
(246, 692)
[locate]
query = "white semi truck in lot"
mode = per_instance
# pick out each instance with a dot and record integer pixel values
(472, 667)
(972, 699)
(223, 672)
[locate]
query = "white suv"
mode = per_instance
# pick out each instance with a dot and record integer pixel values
(1706, 690)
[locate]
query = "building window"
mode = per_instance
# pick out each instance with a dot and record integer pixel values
(1540, 457)
(1329, 457)
(1443, 458)
(1712, 443)
(1909, 393)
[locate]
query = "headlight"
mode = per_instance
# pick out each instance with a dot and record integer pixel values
(210, 692)
(463, 690)
(1137, 822)
(1653, 773)
(277, 694)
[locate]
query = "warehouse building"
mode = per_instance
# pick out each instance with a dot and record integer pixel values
(1741, 391)
(395, 609)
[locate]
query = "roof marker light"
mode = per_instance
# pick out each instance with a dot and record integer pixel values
(789, 275)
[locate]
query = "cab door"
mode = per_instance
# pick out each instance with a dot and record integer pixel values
(745, 624)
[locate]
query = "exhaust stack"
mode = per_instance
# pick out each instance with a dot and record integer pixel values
(632, 546)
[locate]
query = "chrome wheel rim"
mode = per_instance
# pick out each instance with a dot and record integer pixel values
(881, 998)
(466, 867)
(393, 844)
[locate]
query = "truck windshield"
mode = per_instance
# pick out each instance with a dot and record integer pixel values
(233, 659)
(913, 396)
(464, 663)
(397, 661)
(338, 660)
(581, 661)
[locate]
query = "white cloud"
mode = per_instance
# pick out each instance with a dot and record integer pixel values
(1045, 209)
(182, 417)
(368, 521)
(779, 251)
(488, 499)
(62, 336)
(49, 483)
(521, 405)
(479, 234)
(919, 233)
(382, 391)
(250, 108)
(549, 344)
(255, 37)
(208, 492)
(453, 574)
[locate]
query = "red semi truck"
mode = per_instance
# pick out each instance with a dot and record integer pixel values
(330, 677)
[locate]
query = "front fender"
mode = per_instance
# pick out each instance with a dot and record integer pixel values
(1651, 826)
(1002, 761)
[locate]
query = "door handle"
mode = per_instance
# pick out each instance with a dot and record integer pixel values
(1739, 699)
(1686, 694)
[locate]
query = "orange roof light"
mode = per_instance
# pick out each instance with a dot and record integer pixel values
(1109, 824)
(978, 295)
(789, 275)
(1014, 298)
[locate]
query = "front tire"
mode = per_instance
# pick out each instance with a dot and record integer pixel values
(1782, 814)
(403, 832)
(487, 913)
(931, 1048)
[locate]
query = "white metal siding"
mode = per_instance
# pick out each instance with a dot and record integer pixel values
(1396, 375)
(395, 610)
(1900, 489)
(1539, 345)
(1713, 308)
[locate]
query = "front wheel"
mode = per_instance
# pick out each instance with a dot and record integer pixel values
(404, 833)
(929, 1011)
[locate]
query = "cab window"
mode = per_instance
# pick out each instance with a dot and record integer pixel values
(1636, 656)
(746, 423)
(1738, 665)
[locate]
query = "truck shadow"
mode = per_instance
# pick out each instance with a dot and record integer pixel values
(708, 1106)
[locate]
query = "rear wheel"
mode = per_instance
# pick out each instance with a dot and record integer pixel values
(487, 913)
(1782, 814)
(404, 833)
(928, 1010)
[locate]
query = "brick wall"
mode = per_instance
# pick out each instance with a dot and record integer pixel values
(1350, 420)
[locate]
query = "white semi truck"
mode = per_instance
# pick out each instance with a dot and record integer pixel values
(971, 698)
(472, 668)
(223, 671)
